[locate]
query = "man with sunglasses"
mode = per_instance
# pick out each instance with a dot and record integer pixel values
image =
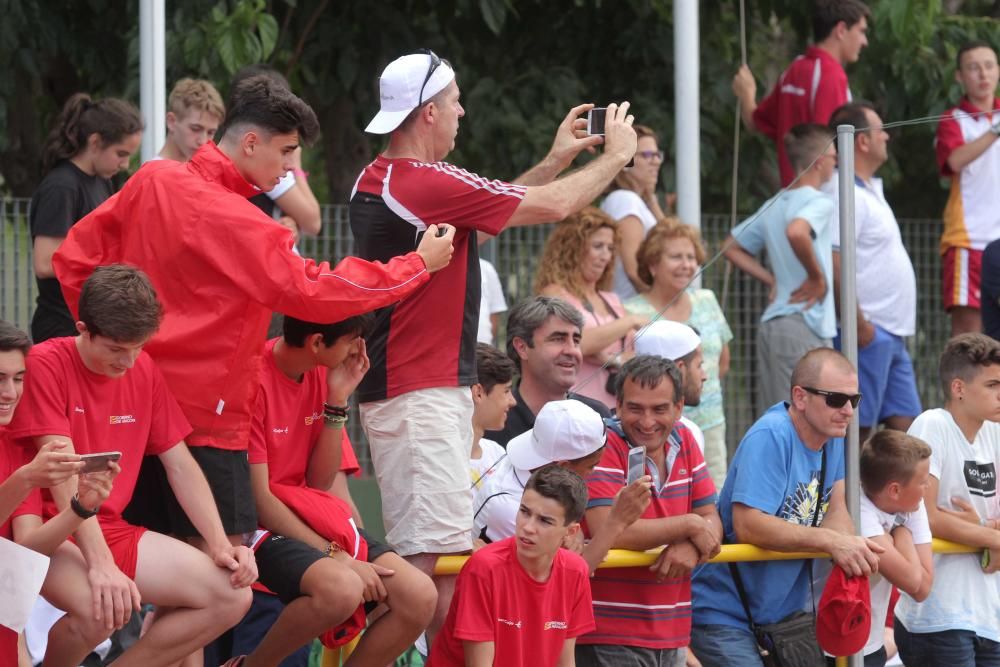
(416, 405)
(784, 491)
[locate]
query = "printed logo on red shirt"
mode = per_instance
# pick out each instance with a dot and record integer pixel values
(279, 431)
(515, 624)
(555, 625)
(313, 418)
(121, 419)
(79, 410)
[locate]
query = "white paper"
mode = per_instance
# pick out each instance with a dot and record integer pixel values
(22, 572)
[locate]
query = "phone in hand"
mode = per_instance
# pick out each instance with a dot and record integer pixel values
(98, 462)
(442, 230)
(636, 464)
(595, 120)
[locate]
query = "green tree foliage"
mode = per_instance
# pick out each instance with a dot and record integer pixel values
(521, 65)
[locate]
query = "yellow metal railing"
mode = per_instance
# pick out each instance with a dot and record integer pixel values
(731, 553)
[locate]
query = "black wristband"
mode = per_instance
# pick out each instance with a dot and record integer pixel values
(80, 510)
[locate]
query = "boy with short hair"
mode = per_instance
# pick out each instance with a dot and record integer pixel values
(894, 474)
(194, 113)
(311, 552)
(492, 399)
(957, 623)
(100, 391)
(523, 600)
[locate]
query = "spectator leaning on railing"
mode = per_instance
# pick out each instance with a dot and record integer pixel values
(784, 491)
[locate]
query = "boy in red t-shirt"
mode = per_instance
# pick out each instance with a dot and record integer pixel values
(524, 600)
(311, 552)
(21, 476)
(102, 392)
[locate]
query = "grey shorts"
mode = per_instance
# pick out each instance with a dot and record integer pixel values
(612, 655)
(781, 342)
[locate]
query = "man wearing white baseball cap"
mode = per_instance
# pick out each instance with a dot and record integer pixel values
(681, 344)
(416, 406)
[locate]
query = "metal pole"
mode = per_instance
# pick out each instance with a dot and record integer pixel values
(849, 316)
(153, 75)
(686, 119)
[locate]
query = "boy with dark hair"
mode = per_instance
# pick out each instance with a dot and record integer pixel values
(312, 554)
(523, 600)
(22, 475)
(794, 228)
(814, 84)
(969, 156)
(194, 112)
(957, 623)
(100, 390)
(492, 398)
(220, 273)
(894, 471)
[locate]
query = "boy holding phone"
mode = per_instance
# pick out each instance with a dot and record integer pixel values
(523, 600)
(21, 475)
(895, 468)
(100, 387)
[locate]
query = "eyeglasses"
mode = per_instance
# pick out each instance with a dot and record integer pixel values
(835, 399)
(435, 63)
(651, 155)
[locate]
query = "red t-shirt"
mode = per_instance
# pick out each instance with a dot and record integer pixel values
(12, 457)
(528, 622)
(134, 414)
(288, 422)
(220, 267)
(630, 606)
(809, 91)
(428, 340)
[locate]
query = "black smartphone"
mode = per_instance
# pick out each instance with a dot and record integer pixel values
(595, 120)
(636, 464)
(98, 462)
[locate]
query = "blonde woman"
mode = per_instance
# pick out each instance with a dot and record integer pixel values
(668, 258)
(577, 266)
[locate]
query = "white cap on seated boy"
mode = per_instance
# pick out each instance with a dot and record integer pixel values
(565, 432)
(674, 341)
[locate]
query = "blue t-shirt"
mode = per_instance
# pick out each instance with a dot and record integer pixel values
(767, 230)
(775, 472)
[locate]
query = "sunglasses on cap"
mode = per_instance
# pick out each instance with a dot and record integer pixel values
(835, 399)
(434, 64)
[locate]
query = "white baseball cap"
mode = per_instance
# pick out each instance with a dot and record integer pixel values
(668, 339)
(564, 431)
(406, 83)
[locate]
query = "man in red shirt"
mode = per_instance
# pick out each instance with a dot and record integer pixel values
(21, 476)
(295, 452)
(415, 403)
(682, 517)
(100, 391)
(220, 268)
(814, 84)
(523, 600)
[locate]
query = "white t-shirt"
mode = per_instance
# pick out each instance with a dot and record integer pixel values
(491, 301)
(496, 502)
(696, 431)
(486, 465)
(286, 183)
(886, 283)
(962, 597)
(874, 523)
(621, 204)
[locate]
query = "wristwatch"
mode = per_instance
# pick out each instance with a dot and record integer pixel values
(80, 510)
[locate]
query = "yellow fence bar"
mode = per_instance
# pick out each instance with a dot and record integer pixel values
(731, 553)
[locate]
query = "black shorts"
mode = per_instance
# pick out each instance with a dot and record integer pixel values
(283, 561)
(155, 506)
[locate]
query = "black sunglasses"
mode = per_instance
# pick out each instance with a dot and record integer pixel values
(835, 399)
(435, 63)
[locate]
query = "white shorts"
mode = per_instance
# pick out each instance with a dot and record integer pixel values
(420, 447)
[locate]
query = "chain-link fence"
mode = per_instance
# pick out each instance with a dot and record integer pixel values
(515, 254)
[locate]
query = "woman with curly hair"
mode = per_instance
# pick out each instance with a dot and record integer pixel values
(577, 265)
(668, 259)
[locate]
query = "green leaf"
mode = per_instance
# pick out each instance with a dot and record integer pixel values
(226, 48)
(267, 26)
(494, 13)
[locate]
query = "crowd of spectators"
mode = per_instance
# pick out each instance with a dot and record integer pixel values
(173, 439)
